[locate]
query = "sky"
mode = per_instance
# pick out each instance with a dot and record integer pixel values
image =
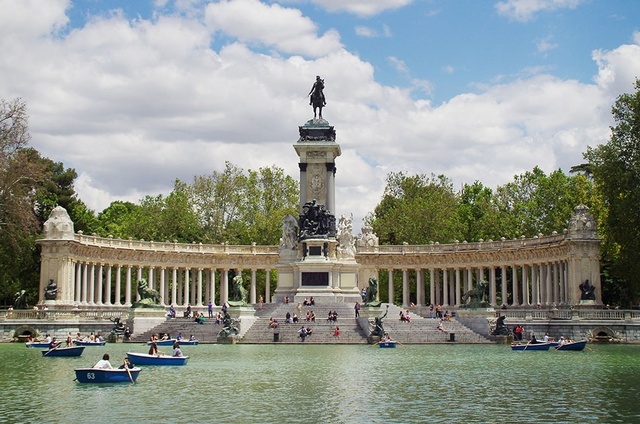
(136, 94)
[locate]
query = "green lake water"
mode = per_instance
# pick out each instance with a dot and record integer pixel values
(331, 384)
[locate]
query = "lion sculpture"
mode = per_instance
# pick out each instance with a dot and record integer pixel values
(237, 292)
(148, 296)
(371, 294)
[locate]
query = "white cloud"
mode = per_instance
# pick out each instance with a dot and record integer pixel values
(545, 45)
(283, 28)
(132, 105)
(363, 8)
(524, 10)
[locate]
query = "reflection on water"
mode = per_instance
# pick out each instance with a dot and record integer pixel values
(338, 384)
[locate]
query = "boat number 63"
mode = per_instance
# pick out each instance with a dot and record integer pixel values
(91, 376)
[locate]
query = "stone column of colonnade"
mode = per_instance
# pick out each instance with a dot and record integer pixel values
(511, 285)
(101, 284)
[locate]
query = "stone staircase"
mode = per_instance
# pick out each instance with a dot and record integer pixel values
(204, 333)
(352, 331)
(425, 330)
(323, 330)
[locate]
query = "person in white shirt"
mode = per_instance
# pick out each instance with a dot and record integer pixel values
(104, 363)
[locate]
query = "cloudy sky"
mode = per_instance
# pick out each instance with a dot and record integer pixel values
(134, 94)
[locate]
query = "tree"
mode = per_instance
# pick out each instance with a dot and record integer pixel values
(616, 170)
(416, 210)
(20, 174)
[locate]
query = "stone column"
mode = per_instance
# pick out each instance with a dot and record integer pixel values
(92, 284)
(252, 288)
(458, 297)
(445, 288)
(525, 286)
(331, 190)
(107, 292)
(187, 282)
(419, 287)
(535, 294)
(267, 288)
(78, 294)
(118, 292)
(127, 287)
(199, 289)
(174, 286)
(493, 289)
(212, 287)
(405, 288)
(432, 286)
(514, 285)
(224, 286)
(163, 286)
(503, 288)
(437, 283)
(391, 297)
(99, 285)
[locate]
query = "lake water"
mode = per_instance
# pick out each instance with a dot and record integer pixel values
(331, 384)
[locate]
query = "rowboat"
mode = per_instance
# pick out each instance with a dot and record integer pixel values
(146, 359)
(64, 351)
(167, 342)
(40, 345)
(83, 343)
(188, 342)
(531, 346)
(579, 345)
(116, 375)
(388, 343)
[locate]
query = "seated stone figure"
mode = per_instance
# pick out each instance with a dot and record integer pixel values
(51, 291)
(588, 290)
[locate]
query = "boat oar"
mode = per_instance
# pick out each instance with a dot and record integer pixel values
(376, 343)
(129, 372)
(525, 348)
(51, 350)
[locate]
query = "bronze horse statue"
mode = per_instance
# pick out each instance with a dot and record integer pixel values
(317, 97)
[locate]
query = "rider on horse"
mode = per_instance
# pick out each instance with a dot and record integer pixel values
(317, 99)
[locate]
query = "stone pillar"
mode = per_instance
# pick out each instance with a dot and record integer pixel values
(391, 294)
(163, 286)
(535, 293)
(525, 286)
(187, 282)
(493, 289)
(199, 289)
(458, 296)
(174, 286)
(445, 288)
(127, 287)
(92, 284)
(252, 287)
(432, 286)
(267, 286)
(224, 287)
(118, 292)
(212, 288)
(514, 285)
(419, 287)
(107, 292)
(503, 288)
(78, 294)
(405, 288)
(99, 285)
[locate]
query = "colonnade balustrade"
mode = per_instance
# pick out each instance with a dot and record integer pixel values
(543, 271)
(544, 284)
(100, 284)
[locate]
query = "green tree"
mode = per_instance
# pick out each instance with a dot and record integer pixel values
(616, 170)
(20, 175)
(416, 210)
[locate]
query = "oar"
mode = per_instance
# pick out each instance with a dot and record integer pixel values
(376, 343)
(525, 348)
(129, 372)
(51, 350)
